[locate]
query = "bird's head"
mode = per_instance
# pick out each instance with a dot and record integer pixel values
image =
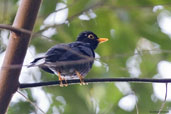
(90, 37)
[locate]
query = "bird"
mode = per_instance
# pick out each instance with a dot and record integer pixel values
(70, 60)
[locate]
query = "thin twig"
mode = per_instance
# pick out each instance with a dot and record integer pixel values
(164, 102)
(13, 29)
(136, 105)
(68, 6)
(95, 80)
(31, 102)
(94, 6)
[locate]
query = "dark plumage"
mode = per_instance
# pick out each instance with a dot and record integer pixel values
(72, 59)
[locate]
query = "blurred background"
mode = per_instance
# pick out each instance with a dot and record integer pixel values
(139, 33)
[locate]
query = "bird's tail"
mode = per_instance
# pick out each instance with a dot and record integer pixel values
(34, 62)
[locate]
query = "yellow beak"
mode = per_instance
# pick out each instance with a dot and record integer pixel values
(101, 40)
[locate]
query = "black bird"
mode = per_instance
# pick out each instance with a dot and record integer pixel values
(73, 60)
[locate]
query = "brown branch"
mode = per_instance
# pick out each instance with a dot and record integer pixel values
(14, 29)
(16, 50)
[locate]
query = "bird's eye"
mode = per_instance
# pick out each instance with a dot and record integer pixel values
(91, 36)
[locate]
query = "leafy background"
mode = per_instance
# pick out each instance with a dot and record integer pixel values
(138, 46)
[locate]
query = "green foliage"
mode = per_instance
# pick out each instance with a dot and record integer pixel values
(131, 26)
(21, 107)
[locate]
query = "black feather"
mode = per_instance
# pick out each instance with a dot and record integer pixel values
(80, 50)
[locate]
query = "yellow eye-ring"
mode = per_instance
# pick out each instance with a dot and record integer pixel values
(91, 36)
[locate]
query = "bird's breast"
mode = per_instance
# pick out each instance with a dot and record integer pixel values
(69, 71)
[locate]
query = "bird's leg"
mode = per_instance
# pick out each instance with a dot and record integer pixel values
(81, 78)
(66, 84)
(60, 79)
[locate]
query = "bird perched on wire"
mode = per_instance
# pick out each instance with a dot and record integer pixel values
(73, 60)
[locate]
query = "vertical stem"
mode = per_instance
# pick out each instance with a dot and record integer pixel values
(16, 50)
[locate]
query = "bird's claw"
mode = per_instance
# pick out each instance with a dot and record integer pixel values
(61, 84)
(82, 82)
(61, 81)
(81, 79)
(66, 84)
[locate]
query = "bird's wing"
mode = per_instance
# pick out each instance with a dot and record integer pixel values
(56, 52)
(77, 51)
(52, 55)
(35, 62)
(69, 52)
(65, 52)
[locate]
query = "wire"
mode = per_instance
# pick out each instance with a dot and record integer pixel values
(94, 80)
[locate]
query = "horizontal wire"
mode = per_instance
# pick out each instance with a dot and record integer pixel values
(94, 80)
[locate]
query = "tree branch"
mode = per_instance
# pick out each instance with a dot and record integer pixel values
(95, 80)
(16, 50)
(94, 6)
(14, 29)
(164, 102)
(37, 107)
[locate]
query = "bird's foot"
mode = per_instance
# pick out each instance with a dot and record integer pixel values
(66, 84)
(61, 84)
(83, 83)
(61, 81)
(81, 79)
